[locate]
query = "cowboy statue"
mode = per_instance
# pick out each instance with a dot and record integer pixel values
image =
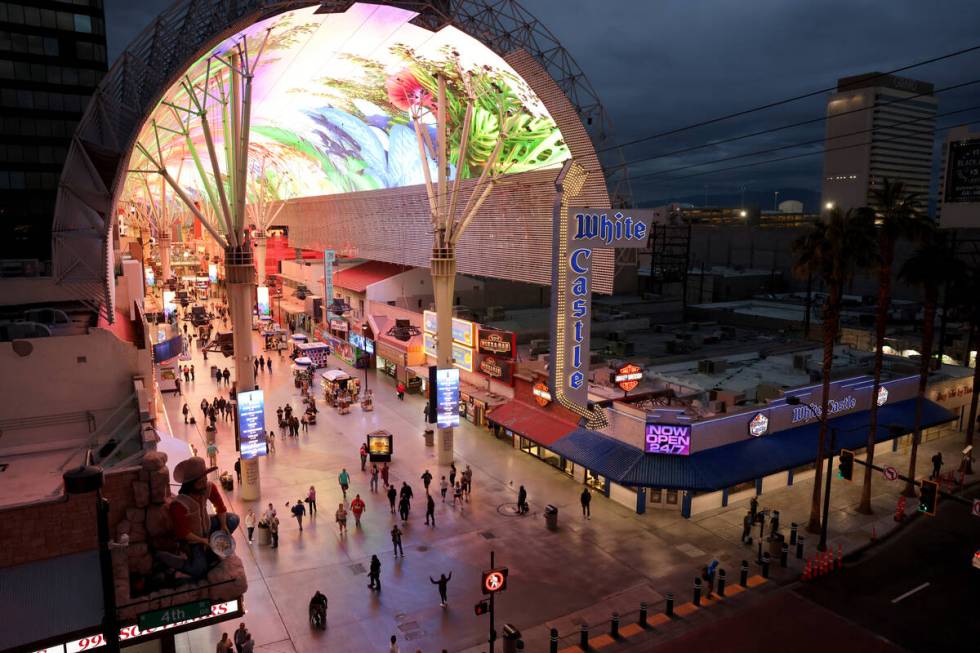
(193, 526)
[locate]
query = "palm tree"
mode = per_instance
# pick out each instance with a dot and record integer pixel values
(967, 291)
(832, 252)
(897, 216)
(932, 265)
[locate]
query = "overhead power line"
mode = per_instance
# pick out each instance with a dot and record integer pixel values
(778, 103)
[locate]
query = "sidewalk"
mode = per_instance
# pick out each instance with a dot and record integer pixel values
(582, 572)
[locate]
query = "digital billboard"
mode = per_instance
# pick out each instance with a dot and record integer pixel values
(213, 272)
(429, 322)
(262, 299)
(169, 304)
(251, 424)
(672, 439)
(464, 332)
(462, 357)
(380, 446)
(447, 398)
(333, 101)
(150, 277)
(963, 172)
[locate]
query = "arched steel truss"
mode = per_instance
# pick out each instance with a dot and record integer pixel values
(100, 149)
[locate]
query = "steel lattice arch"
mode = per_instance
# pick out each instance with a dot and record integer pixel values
(97, 162)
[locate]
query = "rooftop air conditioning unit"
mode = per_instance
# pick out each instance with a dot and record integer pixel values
(706, 367)
(800, 361)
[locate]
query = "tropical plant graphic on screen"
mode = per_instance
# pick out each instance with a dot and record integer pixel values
(333, 100)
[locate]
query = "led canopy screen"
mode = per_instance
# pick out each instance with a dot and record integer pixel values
(333, 101)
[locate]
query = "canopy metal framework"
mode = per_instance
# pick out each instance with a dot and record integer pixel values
(95, 168)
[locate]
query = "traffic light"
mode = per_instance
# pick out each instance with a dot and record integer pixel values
(845, 468)
(482, 607)
(929, 497)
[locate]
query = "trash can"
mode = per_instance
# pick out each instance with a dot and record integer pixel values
(512, 637)
(430, 437)
(265, 535)
(551, 517)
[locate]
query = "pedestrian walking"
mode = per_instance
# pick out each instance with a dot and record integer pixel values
(522, 506)
(344, 479)
(274, 529)
(268, 362)
(213, 454)
(239, 638)
(754, 508)
(177, 384)
(392, 496)
(272, 442)
(225, 644)
(430, 510)
(708, 574)
(238, 470)
(298, 510)
(186, 411)
(443, 488)
(458, 494)
(426, 479)
(192, 372)
(443, 582)
(374, 573)
(306, 424)
(396, 540)
(374, 477)
(747, 528)
(404, 507)
(279, 413)
(400, 390)
(357, 507)
(250, 524)
(248, 646)
(384, 473)
(937, 463)
(452, 474)
(226, 375)
(586, 500)
(341, 516)
(394, 645)
(364, 456)
(467, 482)
(311, 500)
(406, 491)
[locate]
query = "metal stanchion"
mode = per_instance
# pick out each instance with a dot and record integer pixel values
(743, 576)
(553, 647)
(799, 547)
(721, 582)
(792, 533)
(669, 608)
(765, 565)
(784, 556)
(583, 637)
(697, 590)
(614, 626)
(643, 614)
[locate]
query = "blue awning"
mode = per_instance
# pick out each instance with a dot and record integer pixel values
(724, 467)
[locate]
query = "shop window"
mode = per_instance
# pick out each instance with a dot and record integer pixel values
(672, 496)
(568, 467)
(742, 487)
(656, 495)
(551, 457)
(595, 481)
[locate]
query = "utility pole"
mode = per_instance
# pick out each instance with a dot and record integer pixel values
(826, 496)
(493, 632)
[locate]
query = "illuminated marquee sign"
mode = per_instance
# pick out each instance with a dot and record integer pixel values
(429, 344)
(447, 398)
(329, 256)
(807, 412)
(169, 304)
(577, 232)
(150, 278)
(464, 332)
(496, 368)
(541, 394)
(496, 343)
(251, 424)
(759, 425)
(672, 439)
(628, 377)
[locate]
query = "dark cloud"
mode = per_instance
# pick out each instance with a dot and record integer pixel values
(662, 64)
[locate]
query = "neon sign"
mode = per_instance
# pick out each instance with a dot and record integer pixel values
(628, 377)
(541, 394)
(806, 412)
(577, 233)
(674, 439)
(882, 395)
(759, 425)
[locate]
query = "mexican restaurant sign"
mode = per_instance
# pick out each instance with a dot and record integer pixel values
(577, 233)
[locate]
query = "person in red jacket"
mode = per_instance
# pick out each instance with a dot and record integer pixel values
(192, 524)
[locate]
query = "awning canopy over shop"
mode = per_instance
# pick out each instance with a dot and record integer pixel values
(727, 466)
(532, 423)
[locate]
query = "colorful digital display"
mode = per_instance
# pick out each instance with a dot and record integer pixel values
(169, 304)
(213, 272)
(380, 446)
(429, 322)
(429, 344)
(333, 102)
(672, 439)
(462, 357)
(262, 299)
(251, 424)
(150, 277)
(447, 398)
(464, 332)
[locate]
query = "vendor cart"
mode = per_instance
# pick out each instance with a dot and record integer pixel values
(367, 403)
(337, 384)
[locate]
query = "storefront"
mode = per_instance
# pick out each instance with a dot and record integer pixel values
(390, 361)
(532, 430)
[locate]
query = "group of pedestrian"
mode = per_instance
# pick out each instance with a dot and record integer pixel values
(377, 472)
(188, 372)
(222, 376)
(241, 643)
(217, 407)
(289, 424)
(262, 364)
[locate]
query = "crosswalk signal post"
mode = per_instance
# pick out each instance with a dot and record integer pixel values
(845, 465)
(928, 497)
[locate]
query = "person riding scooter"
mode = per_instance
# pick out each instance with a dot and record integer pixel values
(318, 611)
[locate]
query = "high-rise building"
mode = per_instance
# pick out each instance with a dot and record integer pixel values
(878, 126)
(52, 56)
(959, 180)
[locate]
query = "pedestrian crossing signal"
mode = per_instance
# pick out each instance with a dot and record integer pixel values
(845, 467)
(929, 497)
(494, 580)
(482, 607)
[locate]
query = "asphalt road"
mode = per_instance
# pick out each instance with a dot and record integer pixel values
(917, 590)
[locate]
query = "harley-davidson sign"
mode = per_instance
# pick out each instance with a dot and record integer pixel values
(497, 369)
(501, 344)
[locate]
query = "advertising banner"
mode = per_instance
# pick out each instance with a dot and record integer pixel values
(464, 332)
(262, 299)
(429, 344)
(462, 357)
(380, 446)
(362, 343)
(496, 368)
(212, 272)
(150, 276)
(429, 322)
(251, 424)
(447, 398)
(169, 304)
(501, 344)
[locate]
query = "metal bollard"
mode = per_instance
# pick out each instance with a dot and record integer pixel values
(614, 626)
(643, 614)
(743, 576)
(697, 590)
(721, 582)
(774, 522)
(784, 556)
(792, 533)
(583, 637)
(669, 608)
(765, 565)
(554, 641)
(799, 547)
(758, 558)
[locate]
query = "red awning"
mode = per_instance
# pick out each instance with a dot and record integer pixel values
(359, 277)
(533, 423)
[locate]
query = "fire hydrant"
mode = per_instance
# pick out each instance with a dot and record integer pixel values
(900, 510)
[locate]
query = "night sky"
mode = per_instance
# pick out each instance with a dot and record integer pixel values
(663, 64)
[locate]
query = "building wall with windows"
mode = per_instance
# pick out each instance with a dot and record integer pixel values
(52, 56)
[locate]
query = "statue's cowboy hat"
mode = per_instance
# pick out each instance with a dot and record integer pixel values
(191, 469)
